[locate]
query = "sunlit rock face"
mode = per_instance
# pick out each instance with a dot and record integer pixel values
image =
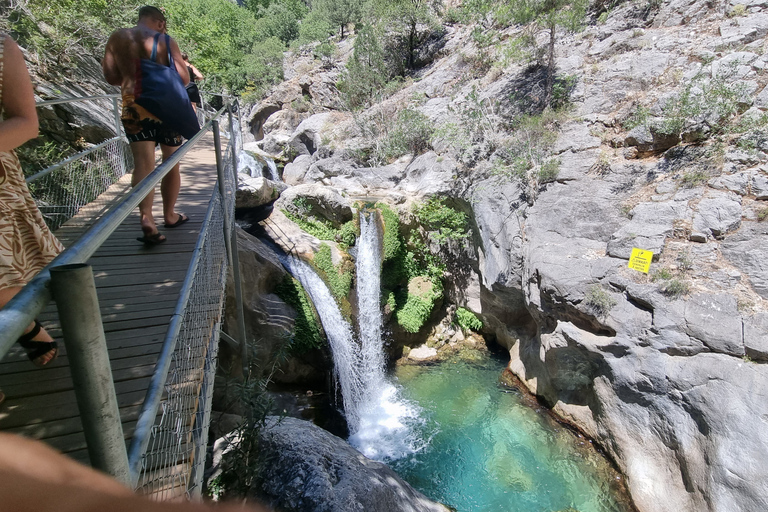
(664, 370)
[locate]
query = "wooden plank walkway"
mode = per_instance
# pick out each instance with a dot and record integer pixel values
(138, 288)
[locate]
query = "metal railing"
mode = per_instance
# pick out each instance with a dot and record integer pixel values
(64, 188)
(167, 450)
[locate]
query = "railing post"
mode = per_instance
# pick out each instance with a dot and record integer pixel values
(74, 291)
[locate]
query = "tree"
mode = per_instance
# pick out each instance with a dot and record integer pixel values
(339, 13)
(405, 19)
(549, 15)
(366, 72)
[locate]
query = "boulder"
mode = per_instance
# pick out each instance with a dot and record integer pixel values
(321, 202)
(746, 250)
(719, 215)
(306, 138)
(253, 192)
(311, 470)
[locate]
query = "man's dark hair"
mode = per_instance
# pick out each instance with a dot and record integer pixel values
(149, 11)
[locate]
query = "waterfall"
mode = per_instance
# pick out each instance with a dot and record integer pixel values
(380, 421)
(385, 419)
(346, 355)
(272, 166)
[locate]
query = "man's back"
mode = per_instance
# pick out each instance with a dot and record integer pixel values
(126, 47)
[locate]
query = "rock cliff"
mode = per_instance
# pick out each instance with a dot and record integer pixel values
(667, 370)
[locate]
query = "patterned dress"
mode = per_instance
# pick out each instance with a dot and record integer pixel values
(26, 243)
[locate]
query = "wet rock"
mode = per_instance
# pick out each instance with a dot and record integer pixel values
(312, 470)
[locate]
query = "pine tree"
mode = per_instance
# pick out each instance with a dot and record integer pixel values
(550, 15)
(366, 72)
(339, 13)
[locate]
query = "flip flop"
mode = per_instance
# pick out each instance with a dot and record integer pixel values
(35, 349)
(182, 219)
(153, 239)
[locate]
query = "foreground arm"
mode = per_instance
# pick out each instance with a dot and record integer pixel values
(20, 123)
(35, 478)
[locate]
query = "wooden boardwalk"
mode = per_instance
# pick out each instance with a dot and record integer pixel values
(138, 288)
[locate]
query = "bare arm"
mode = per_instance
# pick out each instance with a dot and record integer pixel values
(181, 67)
(20, 124)
(35, 478)
(109, 63)
(196, 72)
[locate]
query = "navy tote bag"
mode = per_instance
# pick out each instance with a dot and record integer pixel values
(161, 91)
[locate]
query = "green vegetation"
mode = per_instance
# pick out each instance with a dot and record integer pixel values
(762, 214)
(299, 211)
(412, 271)
(366, 74)
(662, 274)
(675, 288)
(671, 284)
(598, 300)
(338, 277)
(693, 179)
(411, 134)
(550, 16)
(467, 320)
(441, 222)
(307, 333)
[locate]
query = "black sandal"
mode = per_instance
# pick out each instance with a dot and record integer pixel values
(36, 349)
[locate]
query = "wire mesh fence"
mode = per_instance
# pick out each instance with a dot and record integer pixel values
(83, 180)
(172, 466)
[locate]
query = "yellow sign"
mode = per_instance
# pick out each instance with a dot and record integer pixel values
(640, 260)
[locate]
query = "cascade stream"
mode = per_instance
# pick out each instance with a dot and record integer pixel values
(380, 421)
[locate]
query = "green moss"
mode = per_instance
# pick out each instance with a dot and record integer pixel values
(319, 228)
(467, 320)
(392, 238)
(338, 277)
(414, 313)
(307, 333)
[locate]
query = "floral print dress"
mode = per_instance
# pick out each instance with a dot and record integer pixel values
(26, 243)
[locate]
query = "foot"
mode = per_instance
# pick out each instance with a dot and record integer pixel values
(41, 349)
(152, 239)
(180, 219)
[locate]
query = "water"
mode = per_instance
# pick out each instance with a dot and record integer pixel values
(346, 353)
(490, 451)
(384, 427)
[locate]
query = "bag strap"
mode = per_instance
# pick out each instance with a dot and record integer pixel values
(168, 47)
(153, 57)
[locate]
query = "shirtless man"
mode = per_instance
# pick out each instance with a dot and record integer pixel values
(121, 66)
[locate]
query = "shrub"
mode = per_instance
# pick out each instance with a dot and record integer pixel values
(442, 222)
(675, 288)
(392, 239)
(694, 179)
(598, 300)
(467, 320)
(664, 274)
(762, 214)
(411, 134)
(307, 333)
(338, 277)
(414, 313)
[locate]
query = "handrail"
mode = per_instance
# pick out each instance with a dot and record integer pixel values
(59, 101)
(30, 301)
(151, 404)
